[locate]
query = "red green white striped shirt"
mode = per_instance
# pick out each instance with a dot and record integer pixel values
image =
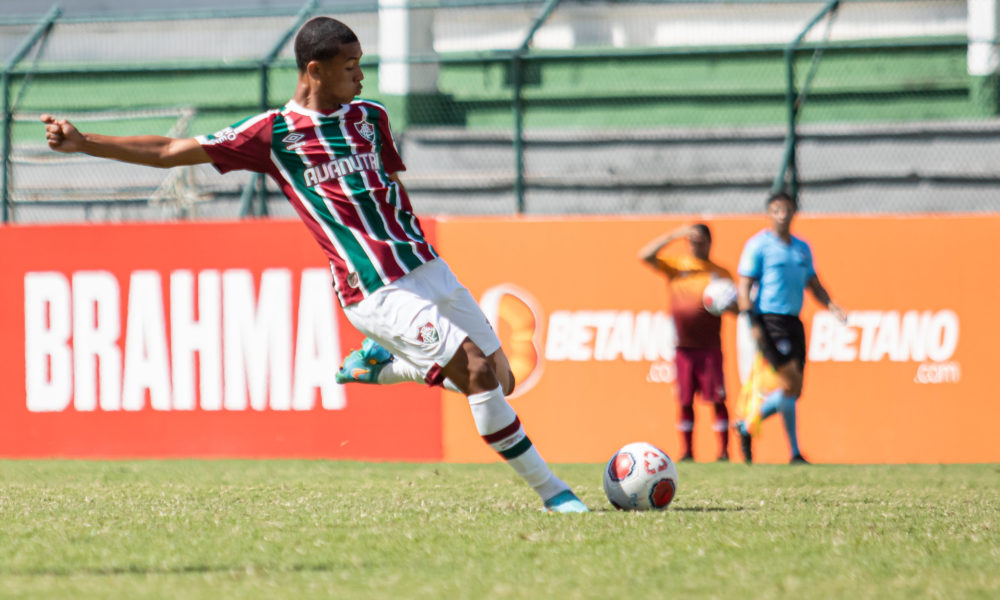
(334, 168)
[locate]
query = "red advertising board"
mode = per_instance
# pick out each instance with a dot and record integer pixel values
(194, 339)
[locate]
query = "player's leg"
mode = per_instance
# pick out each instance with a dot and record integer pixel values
(786, 351)
(684, 363)
(368, 364)
(783, 400)
(501, 366)
(498, 424)
(429, 320)
(374, 364)
(792, 377)
(713, 389)
(495, 418)
(776, 349)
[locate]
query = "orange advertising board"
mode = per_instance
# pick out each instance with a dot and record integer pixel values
(909, 379)
(187, 339)
(221, 339)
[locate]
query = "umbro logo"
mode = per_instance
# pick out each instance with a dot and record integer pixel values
(293, 141)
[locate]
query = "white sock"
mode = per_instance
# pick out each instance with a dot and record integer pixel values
(499, 426)
(400, 371)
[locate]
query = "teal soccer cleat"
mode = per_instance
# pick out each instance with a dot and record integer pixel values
(364, 365)
(565, 502)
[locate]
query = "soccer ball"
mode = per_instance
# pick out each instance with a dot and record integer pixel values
(640, 476)
(719, 295)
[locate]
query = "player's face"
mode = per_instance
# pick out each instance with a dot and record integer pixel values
(340, 77)
(780, 212)
(700, 245)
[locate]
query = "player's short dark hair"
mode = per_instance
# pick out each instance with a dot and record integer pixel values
(704, 230)
(320, 39)
(783, 195)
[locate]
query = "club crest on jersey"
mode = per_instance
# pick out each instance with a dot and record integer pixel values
(293, 141)
(366, 129)
(427, 334)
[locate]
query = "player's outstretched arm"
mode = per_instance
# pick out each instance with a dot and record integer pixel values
(648, 252)
(150, 150)
(823, 297)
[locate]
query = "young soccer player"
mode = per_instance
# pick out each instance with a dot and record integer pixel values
(779, 267)
(699, 345)
(334, 158)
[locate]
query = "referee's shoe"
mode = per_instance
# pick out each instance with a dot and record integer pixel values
(745, 442)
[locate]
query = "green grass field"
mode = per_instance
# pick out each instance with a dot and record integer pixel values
(317, 529)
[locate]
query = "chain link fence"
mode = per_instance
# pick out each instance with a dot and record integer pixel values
(533, 107)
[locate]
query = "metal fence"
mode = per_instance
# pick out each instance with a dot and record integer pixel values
(533, 107)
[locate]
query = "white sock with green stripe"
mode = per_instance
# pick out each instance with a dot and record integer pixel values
(401, 371)
(499, 426)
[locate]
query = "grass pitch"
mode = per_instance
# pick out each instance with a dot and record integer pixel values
(316, 529)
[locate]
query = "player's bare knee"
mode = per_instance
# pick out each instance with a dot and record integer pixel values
(481, 373)
(470, 371)
(501, 367)
(509, 384)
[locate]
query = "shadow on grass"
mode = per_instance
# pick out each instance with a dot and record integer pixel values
(249, 569)
(695, 509)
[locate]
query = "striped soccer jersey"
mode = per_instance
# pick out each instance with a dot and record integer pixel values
(687, 278)
(334, 168)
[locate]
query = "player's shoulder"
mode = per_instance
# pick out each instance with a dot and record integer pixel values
(248, 127)
(799, 241)
(267, 114)
(371, 105)
(801, 244)
(720, 271)
(757, 240)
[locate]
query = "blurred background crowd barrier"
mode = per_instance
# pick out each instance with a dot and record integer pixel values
(554, 107)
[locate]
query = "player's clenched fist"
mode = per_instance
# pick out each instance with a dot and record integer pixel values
(61, 135)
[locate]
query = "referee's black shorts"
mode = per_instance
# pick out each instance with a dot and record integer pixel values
(784, 339)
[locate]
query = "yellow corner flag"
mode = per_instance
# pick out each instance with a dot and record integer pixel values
(761, 380)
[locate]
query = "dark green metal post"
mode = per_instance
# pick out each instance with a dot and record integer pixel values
(516, 65)
(8, 124)
(789, 168)
(517, 82)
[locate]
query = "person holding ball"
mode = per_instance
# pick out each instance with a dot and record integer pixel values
(699, 344)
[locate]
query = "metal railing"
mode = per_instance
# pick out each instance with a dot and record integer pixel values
(248, 207)
(37, 35)
(522, 60)
(253, 198)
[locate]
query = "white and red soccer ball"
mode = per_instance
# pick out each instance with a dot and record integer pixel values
(640, 476)
(719, 295)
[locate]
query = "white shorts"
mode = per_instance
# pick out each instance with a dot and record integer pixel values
(423, 317)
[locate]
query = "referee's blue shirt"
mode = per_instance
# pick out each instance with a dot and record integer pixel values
(781, 270)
